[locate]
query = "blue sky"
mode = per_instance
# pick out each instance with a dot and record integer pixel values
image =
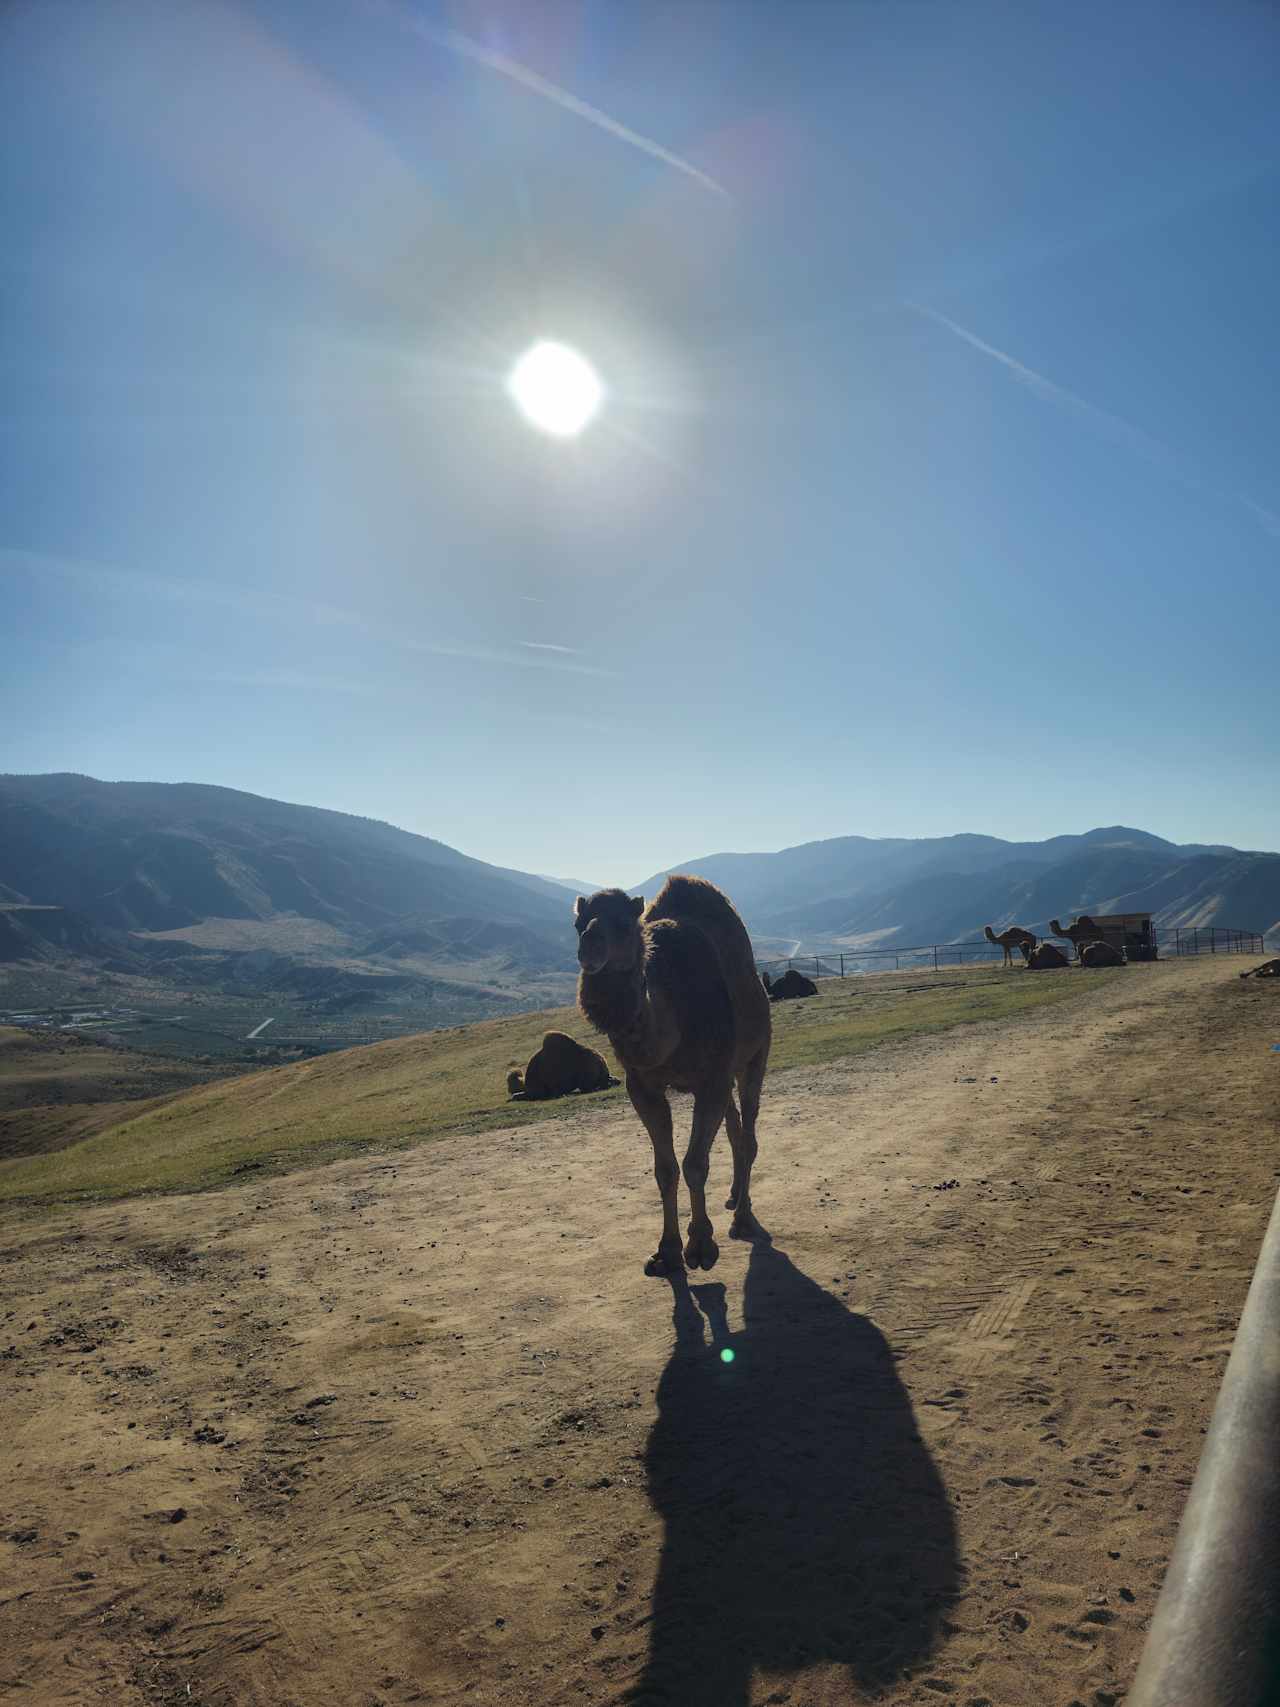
(937, 484)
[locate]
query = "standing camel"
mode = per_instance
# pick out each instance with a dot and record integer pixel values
(675, 989)
(1084, 930)
(1010, 939)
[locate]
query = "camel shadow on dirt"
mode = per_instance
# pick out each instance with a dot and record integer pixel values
(806, 1523)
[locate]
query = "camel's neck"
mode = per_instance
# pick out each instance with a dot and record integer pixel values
(615, 1003)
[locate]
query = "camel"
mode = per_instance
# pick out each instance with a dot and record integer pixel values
(1010, 939)
(1046, 958)
(1268, 969)
(562, 1065)
(675, 989)
(1084, 930)
(791, 986)
(1101, 954)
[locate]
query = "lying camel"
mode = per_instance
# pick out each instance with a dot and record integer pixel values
(559, 1067)
(1046, 958)
(1268, 969)
(790, 986)
(1101, 954)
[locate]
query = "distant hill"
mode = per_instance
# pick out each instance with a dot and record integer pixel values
(575, 885)
(161, 856)
(947, 888)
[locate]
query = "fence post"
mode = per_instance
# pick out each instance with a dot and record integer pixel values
(935, 957)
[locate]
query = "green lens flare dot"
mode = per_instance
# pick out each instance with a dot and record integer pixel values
(726, 1356)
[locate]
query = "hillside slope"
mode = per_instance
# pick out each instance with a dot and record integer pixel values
(409, 1089)
(159, 856)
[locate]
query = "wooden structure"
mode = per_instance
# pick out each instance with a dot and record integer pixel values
(1132, 932)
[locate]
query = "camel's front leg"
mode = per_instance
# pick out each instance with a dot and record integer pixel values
(708, 1111)
(655, 1113)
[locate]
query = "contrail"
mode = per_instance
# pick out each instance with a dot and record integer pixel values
(1143, 443)
(467, 48)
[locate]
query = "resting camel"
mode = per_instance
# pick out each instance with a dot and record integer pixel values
(1046, 958)
(560, 1066)
(790, 986)
(1084, 930)
(675, 988)
(1268, 969)
(1101, 954)
(1010, 939)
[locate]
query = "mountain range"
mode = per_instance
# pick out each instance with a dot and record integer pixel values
(215, 885)
(946, 888)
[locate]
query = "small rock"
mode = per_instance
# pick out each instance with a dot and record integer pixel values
(322, 1399)
(177, 1515)
(597, 1630)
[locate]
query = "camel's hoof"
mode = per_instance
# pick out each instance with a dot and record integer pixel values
(665, 1260)
(745, 1226)
(731, 1202)
(702, 1251)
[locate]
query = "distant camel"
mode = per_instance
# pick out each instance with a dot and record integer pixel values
(560, 1066)
(790, 986)
(1010, 939)
(1268, 969)
(1046, 958)
(675, 989)
(1084, 930)
(1101, 954)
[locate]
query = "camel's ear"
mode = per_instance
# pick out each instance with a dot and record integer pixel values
(637, 905)
(579, 908)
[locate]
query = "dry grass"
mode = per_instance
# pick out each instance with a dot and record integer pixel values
(407, 1090)
(57, 1088)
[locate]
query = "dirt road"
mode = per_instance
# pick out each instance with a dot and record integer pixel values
(419, 1428)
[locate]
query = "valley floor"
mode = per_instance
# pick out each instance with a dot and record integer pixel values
(417, 1428)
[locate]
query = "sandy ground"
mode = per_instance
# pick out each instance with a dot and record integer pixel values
(419, 1429)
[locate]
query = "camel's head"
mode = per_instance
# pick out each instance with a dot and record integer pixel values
(608, 927)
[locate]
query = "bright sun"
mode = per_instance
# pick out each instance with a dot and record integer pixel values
(556, 388)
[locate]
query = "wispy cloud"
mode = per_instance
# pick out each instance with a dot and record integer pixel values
(466, 47)
(1114, 426)
(549, 646)
(494, 655)
(145, 584)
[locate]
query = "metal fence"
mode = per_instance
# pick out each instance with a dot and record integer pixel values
(1211, 939)
(1176, 941)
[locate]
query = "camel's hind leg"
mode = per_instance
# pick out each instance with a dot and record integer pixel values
(750, 1083)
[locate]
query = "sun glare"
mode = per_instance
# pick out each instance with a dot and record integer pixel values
(556, 389)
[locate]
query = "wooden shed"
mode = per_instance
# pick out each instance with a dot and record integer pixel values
(1133, 932)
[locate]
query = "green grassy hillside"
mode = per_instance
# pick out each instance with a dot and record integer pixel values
(407, 1090)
